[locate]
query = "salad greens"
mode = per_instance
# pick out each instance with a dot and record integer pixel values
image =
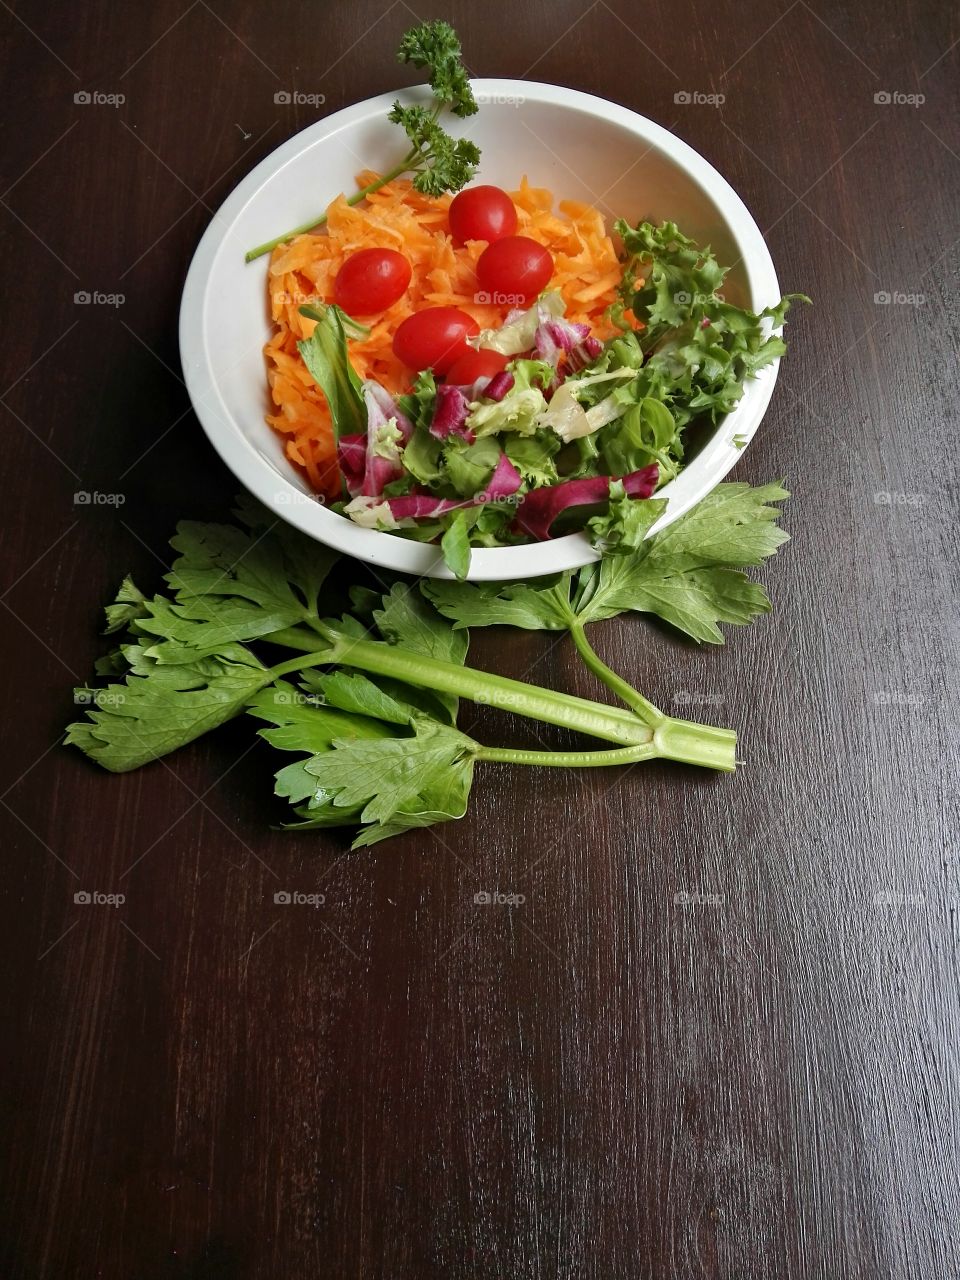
(699, 349)
(325, 355)
(438, 162)
(575, 433)
(366, 700)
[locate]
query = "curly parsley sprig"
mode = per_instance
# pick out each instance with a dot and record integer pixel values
(438, 162)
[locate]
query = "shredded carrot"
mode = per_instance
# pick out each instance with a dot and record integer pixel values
(586, 274)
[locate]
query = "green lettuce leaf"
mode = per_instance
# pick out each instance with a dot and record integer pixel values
(624, 525)
(328, 363)
(533, 456)
(701, 348)
(467, 468)
(421, 456)
(455, 545)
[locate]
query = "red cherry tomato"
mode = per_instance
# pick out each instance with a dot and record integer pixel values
(482, 213)
(434, 338)
(476, 364)
(370, 281)
(514, 269)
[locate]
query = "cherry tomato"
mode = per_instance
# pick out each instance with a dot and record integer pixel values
(371, 280)
(482, 213)
(434, 338)
(514, 269)
(476, 364)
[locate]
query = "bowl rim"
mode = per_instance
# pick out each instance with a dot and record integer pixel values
(529, 560)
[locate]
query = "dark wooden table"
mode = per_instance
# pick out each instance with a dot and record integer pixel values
(718, 1038)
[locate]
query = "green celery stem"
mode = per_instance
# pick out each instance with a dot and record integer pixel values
(701, 744)
(569, 759)
(669, 739)
(624, 691)
(610, 723)
(294, 638)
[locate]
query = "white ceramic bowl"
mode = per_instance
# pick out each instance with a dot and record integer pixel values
(579, 146)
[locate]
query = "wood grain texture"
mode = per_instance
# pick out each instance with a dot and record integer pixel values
(718, 1038)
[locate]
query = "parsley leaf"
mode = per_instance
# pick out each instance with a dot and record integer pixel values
(369, 760)
(435, 45)
(340, 707)
(438, 162)
(185, 670)
(372, 725)
(406, 619)
(358, 695)
(232, 584)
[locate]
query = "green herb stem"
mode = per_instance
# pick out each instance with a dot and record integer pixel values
(298, 638)
(642, 733)
(569, 759)
(647, 712)
(317, 659)
(578, 714)
(357, 196)
(700, 744)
